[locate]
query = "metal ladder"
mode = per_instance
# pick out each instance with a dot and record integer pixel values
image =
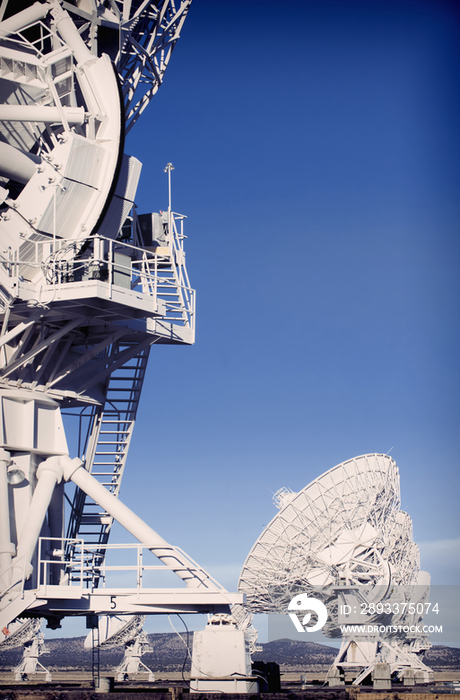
(110, 436)
(95, 655)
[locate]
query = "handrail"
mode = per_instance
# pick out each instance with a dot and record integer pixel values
(161, 276)
(85, 571)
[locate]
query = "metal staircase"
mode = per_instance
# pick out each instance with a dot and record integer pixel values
(165, 277)
(110, 435)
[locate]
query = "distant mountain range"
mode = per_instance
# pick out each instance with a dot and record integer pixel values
(170, 653)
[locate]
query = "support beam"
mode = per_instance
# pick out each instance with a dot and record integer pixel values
(14, 332)
(6, 547)
(88, 356)
(24, 18)
(184, 568)
(49, 473)
(39, 114)
(11, 367)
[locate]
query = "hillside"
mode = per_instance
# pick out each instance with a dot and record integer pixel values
(169, 654)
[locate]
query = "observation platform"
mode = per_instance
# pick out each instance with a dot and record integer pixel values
(91, 298)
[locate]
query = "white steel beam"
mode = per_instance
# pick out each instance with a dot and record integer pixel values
(41, 346)
(42, 114)
(6, 548)
(49, 473)
(169, 555)
(88, 356)
(10, 335)
(108, 601)
(23, 19)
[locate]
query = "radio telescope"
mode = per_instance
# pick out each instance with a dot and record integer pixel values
(26, 633)
(87, 287)
(344, 540)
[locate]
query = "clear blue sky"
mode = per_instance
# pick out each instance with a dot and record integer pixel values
(316, 153)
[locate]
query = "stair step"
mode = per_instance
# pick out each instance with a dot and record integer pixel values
(105, 464)
(96, 474)
(96, 520)
(120, 420)
(127, 379)
(113, 442)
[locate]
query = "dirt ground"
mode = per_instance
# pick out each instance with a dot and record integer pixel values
(170, 679)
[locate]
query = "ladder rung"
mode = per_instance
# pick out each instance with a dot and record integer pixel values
(123, 378)
(95, 519)
(120, 388)
(120, 420)
(115, 432)
(112, 442)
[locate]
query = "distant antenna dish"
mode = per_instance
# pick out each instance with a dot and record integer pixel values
(115, 630)
(126, 631)
(322, 535)
(20, 632)
(343, 532)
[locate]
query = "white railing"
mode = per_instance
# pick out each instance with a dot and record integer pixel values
(85, 567)
(160, 276)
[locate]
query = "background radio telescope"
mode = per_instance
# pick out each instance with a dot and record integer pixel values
(26, 633)
(343, 539)
(127, 631)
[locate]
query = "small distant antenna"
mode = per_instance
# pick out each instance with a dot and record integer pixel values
(168, 169)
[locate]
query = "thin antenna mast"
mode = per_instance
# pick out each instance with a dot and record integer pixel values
(168, 169)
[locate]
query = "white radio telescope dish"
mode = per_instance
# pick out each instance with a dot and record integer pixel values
(323, 533)
(343, 532)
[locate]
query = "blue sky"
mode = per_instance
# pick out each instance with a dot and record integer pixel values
(316, 153)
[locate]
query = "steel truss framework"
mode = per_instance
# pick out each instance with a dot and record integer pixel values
(138, 35)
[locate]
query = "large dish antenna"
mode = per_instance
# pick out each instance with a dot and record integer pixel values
(86, 289)
(343, 532)
(341, 510)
